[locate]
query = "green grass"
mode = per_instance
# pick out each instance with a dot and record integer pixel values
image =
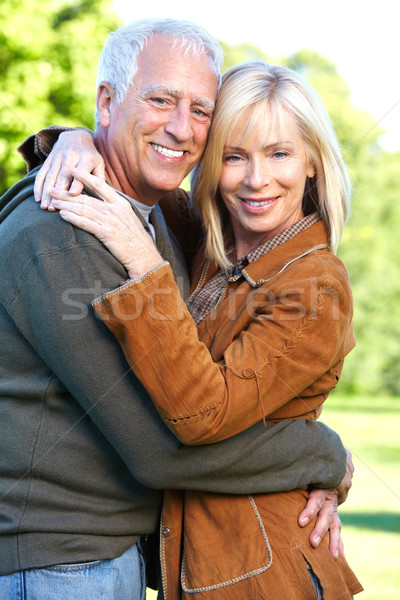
(370, 428)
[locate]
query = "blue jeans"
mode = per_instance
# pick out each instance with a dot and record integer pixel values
(316, 583)
(121, 578)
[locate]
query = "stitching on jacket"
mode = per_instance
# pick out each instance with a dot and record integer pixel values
(233, 580)
(201, 413)
(130, 283)
(261, 281)
(299, 331)
(163, 567)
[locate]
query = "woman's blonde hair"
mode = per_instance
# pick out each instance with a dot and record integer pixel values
(260, 86)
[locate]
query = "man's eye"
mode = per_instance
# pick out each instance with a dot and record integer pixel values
(201, 114)
(160, 101)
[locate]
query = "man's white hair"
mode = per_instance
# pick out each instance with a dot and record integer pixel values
(118, 60)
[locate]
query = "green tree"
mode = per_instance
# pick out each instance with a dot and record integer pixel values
(234, 55)
(49, 51)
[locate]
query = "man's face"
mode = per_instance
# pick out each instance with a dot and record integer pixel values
(157, 134)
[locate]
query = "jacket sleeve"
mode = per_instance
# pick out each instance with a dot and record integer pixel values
(36, 147)
(185, 221)
(277, 356)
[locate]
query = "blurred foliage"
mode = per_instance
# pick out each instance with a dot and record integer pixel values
(49, 51)
(48, 58)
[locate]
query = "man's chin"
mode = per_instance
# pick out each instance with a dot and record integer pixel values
(170, 185)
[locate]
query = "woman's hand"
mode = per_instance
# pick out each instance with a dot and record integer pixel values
(111, 220)
(73, 149)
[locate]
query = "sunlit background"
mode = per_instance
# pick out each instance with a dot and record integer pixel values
(349, 50)
(360, 37)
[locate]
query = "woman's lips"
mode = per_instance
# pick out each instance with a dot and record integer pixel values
(260, 205)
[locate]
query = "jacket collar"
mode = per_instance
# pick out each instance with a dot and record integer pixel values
(273, 262)
(277, 260)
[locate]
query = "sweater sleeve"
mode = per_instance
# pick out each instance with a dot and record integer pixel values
(203, 400)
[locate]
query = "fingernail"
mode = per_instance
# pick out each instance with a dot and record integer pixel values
(304, 521)
(317, 540)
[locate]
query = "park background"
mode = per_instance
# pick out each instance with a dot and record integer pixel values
(349, 51)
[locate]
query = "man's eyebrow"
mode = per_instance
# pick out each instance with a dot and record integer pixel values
(162, 89)
(205, 103)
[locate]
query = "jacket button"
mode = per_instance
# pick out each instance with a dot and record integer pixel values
(166, 531)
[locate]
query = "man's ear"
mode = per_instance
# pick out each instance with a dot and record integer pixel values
(105, 94)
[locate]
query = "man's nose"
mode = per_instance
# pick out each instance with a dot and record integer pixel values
(179, 125)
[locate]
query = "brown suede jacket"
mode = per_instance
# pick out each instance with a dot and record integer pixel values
(278, 340)
(273, 349)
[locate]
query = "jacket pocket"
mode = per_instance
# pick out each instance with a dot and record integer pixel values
(224, 541)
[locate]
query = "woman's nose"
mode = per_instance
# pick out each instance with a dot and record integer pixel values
(258, 174)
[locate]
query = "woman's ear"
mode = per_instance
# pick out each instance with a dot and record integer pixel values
(105, 95)
(311, 171)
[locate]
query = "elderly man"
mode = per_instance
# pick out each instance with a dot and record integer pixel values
(83, 454)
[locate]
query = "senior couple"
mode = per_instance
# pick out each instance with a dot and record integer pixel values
(208, 388)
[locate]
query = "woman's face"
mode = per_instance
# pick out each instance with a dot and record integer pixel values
(262, 180)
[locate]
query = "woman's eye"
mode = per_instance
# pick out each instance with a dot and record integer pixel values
(232, 158)
(280, 154)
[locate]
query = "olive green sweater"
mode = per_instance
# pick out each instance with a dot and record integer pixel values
(84, 455)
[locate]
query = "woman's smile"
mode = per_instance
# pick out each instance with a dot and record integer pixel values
(258, 206)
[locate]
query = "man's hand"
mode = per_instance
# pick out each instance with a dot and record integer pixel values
(73, 149)
(324, 503)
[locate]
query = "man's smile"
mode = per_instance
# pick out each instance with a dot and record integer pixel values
(167, 151)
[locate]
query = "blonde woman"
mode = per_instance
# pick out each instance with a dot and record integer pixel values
(264, 336)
